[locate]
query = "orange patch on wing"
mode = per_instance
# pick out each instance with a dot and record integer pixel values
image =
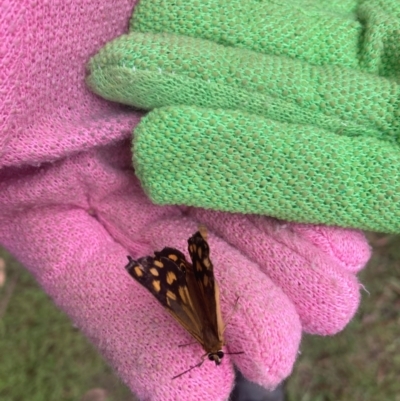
(198, 266)
(138, 271)
(156, 285)
(171, 277)
(182, 294)
(173, 257)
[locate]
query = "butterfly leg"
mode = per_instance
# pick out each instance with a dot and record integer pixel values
(229, 318)
(234, 353)
(203, 358)
(234, 310)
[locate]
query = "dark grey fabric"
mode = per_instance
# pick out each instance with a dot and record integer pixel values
(245, 390)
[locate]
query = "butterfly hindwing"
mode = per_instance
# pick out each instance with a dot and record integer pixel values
(153, 273)
(164, 275)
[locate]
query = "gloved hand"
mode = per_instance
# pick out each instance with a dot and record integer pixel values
(71, 210)
(73, 222)
(289, 110)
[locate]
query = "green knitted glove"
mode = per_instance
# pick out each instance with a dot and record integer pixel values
(288, 110)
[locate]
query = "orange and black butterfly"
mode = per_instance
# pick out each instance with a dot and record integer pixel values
(188, 291)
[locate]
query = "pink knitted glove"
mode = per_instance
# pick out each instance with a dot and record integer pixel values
(71, 210)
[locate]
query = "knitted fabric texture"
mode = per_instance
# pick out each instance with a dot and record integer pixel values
(358, 34)
(46, 110)
(337, 186)
(261, 119)
(74, 221)
(71, 210)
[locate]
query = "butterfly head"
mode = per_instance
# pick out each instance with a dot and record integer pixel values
(216, 357)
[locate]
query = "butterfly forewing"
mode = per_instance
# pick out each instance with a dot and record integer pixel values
(207, 290)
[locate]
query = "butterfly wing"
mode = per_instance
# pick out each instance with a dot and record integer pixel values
(207, 290)
(165, 276)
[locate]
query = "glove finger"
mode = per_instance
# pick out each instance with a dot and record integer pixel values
(349, 248)
(261, 26)
(354, 34)
(154, 70)
(82, 268)
(232, 161)
(325, 295)
(264, 324)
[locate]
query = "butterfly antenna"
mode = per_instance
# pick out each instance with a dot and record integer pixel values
(186, 371)
(233, 353)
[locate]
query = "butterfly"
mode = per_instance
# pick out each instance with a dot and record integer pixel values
(188, 291)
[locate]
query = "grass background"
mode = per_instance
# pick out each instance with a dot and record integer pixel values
(363, 362)
(44, 358)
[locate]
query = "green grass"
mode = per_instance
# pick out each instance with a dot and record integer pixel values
(44, 358)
